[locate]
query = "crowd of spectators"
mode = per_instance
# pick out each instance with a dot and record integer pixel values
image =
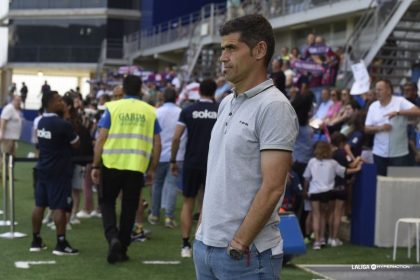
(375, 127)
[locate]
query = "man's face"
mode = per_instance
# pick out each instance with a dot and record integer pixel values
(57, 104)
(382, 91)
(409, 92)
(236, 58)
(17, 101)
(325, 95)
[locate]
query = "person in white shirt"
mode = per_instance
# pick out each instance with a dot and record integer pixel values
(322, 110)
(11, 125)
(164, 182)
(387, 120)
(319, 181)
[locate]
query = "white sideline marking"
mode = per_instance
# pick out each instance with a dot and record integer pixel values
(307, 269)
(161, 262)
(26, 264)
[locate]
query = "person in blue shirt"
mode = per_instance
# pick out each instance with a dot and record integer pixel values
(56, 138)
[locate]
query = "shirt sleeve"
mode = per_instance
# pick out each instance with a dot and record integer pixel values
(182, 118)
(406, 105)
(157, 127)
(70, 134)
(105, 120)
(307, 173)
(369, 117)
(277, 127)
(339, 170)
(6, 114)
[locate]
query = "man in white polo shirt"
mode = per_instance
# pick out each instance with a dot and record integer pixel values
(387, 119)
(249, 157)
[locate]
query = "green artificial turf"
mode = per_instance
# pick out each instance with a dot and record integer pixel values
(163, 245)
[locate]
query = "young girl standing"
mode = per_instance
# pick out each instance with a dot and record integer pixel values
(319, 181)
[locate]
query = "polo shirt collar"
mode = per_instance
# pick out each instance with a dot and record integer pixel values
(49, 114)
(131, 97)
(257, 89)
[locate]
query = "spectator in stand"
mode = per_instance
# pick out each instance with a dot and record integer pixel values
(284, 54)
(223, 88)
(323, 55)
(335, 107)
(410, 93)
(24, 94)
(310, 41)
(294, 54)
(11, 126)
(356, 139)
(277, 75)
(387, 120)
(290, 75)
(369, 98)
(348, 107)
(324, 106)
(198, 119)
(338, 195)
(190, 94)
(319, 177)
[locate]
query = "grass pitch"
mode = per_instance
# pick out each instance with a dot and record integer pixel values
(164, 245)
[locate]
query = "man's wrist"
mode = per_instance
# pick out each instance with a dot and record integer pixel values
(239, 245)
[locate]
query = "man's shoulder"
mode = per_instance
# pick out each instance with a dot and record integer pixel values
(270, 96)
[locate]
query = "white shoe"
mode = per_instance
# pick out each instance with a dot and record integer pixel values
(96, 214)
(336, 243)
(186, 252)
(74, 221)
(82, 214)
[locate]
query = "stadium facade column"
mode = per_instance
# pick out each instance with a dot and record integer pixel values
(5, 80)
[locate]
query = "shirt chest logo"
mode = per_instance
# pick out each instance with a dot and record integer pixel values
(243, 123)
(206, 114)
(42, 133)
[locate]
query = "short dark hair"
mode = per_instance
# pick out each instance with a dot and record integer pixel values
(338, 138)
(253, 29)
(169, 95)
(388, 83)
(47, 97)
(208, 88)
(411, 84)
(132, 85)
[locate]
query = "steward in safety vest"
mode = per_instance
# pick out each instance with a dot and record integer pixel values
(128, 139)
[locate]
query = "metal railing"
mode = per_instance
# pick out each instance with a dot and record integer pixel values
(367, 31)
(54, 4)
(183, 27)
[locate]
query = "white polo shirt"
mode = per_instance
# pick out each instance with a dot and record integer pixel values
(392, 143)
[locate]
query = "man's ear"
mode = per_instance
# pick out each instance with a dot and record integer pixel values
(260, 50)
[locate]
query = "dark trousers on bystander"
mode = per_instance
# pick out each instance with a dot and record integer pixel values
(129, 183)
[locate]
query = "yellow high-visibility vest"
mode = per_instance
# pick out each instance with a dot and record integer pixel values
(130, 137)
